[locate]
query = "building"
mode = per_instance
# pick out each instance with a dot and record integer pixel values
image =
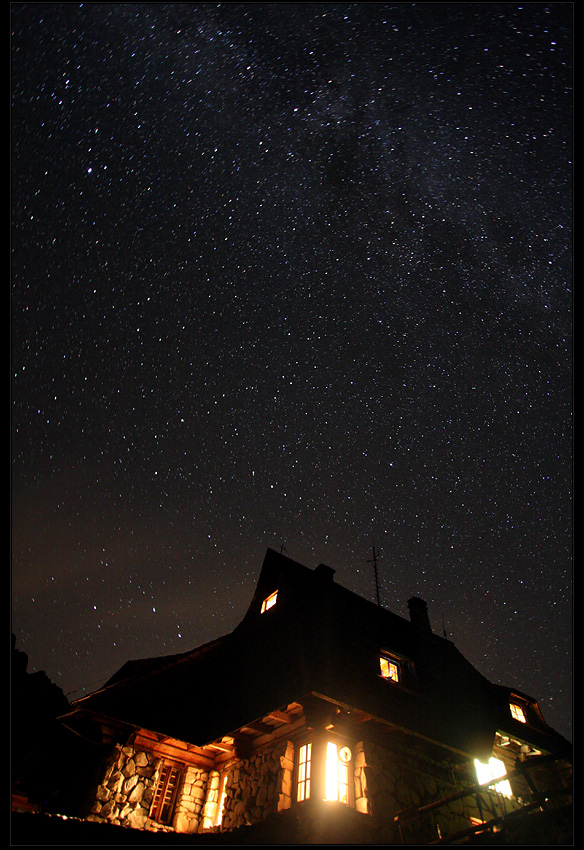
(323, 716)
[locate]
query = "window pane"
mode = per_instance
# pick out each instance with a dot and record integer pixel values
(332, 772)
(338, 772)
(343, 782)
(304, 756)
(389, 668)
(517, 712)
(269, 601)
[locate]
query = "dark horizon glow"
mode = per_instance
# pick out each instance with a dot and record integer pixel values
(291, 275)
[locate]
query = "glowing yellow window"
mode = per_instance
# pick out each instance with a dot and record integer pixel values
(517, 712)
(389, 668)
(269, 601)
(493, 770)
(303, 785)
(338, 761)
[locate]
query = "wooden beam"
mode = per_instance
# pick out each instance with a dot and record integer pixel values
(177, 750)
(221, 747)
(281, 716)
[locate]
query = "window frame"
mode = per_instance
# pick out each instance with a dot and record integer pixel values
(162, 807)
(518, 710)
(530, 708)
(347, 781)
(303, 772)
(392, 661)
(403, 665)
(269, 602)
(312, 772)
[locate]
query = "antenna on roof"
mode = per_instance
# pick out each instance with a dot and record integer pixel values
(444, 632)
(282, 548)
(373, 561)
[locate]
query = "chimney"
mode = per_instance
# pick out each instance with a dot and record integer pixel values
(419, 615)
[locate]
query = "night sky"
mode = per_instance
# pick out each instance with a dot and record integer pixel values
(299, 275)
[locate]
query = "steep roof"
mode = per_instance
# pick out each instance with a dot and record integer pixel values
(320, 639)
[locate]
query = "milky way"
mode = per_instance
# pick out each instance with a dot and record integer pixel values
(291, 275)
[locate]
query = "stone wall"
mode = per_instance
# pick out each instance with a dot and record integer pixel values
(254, 789)
(190, 804)
(386, 781)
(259, 786)
(391, 781)
(397, 776)
(210, 811)
(125, 793)
(360, 779)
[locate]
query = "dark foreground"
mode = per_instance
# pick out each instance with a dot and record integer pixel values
(342, 828)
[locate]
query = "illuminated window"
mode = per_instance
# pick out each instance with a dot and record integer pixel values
(390, 668)
(338, 759)
(269, 601)
(493, 770)
(303, 785)
(517, 712)
(162, 807)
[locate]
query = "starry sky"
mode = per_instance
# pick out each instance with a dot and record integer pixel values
(291, 275)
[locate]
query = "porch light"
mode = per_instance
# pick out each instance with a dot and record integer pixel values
(493, 770)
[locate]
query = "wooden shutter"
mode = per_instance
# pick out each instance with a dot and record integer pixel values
(165, 794)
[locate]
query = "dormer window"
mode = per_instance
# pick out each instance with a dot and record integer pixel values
(525, 710)
(390, 667)
(517, 712)
(269, 601)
